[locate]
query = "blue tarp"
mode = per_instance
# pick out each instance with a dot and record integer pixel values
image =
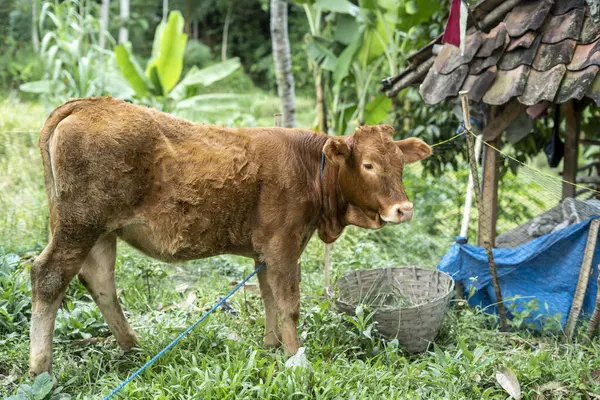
(546, 269)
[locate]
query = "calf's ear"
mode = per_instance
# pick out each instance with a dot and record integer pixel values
(414, 149)
(337, 150)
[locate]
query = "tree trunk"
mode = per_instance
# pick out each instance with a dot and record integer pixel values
(226, 32)
(188, 18)
(283, 61)
(35, 36)
(124, 21)
(321, 104)
(104, 11)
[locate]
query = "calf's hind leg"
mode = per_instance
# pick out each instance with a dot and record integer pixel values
(98, 276)
(51, 273)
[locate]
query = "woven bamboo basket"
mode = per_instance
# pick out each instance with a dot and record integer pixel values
(409, 303)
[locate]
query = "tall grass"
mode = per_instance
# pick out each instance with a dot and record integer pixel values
(23, 208)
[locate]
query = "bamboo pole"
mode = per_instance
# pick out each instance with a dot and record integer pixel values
(595, 320)
(464, 229)
(584, 277)
(481, 209)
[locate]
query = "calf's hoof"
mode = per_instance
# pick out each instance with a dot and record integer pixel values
(128, 342)
(38, 365)
(272, 341)
(292, 348)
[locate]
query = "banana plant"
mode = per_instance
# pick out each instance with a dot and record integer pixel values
(160, 83)
(357, 42)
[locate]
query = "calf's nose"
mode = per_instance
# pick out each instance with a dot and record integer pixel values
(404, 211)
(400, 212)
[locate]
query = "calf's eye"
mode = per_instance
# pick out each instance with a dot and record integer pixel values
(368, 166)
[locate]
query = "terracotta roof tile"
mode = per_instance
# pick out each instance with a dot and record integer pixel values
(483, 8)
(520, 56)
(529, 15)
(493, 40)
(542, 86)
(544, 51)
(450, 58)
(594, 90)
(565, 26)
(563, 6)
(437, 87)
(576, 83)
(508, 84)
(550, 55)
(479, 64)
(523, 41)
(585, 54)
(477, 85)
(590, 31)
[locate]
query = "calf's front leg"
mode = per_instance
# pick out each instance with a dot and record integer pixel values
(271, 337)
(282, 275)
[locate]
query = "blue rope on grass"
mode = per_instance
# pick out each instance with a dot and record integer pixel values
(182, 334)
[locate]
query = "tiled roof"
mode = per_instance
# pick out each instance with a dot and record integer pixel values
(542, 50)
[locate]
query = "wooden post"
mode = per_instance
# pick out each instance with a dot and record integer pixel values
(489, 188)
(572, 130)
(487, 242)
(584, 277)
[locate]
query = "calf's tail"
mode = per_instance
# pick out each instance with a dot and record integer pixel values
(46, 144)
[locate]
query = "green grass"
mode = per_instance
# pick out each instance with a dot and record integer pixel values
(224, 357)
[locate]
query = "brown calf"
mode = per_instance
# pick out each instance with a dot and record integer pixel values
(179, 191)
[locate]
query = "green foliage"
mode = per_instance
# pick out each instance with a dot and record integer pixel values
(40, 390)
(168, 51)
(352, 45)
(80, 320)
(160, 85)
(377, 110)
(18, 64)
(197, 54)
(521, 311)
(72, 59)
(24, 215)
(131, 71)
(15, 301)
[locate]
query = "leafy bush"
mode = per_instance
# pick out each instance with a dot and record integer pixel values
(40, 390)
(19, 65)
(80, 320)
(196, 54)
(15, 295)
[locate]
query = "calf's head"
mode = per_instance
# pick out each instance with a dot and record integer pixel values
(370, 165)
